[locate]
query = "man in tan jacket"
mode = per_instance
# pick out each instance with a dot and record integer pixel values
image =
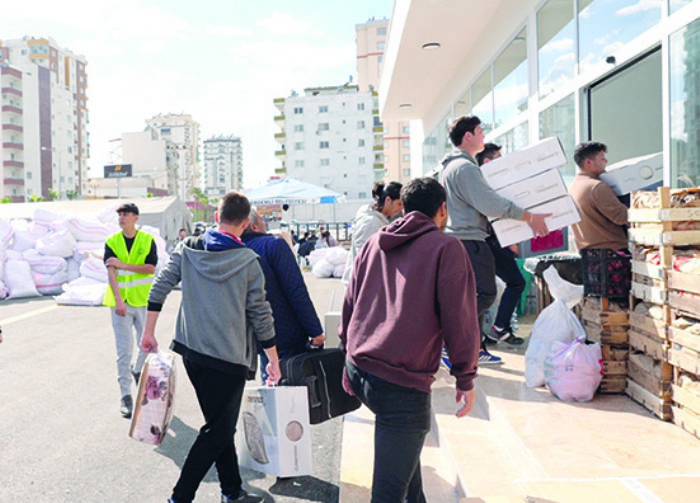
(602, 214)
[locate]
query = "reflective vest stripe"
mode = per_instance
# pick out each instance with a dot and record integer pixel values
(136, 282)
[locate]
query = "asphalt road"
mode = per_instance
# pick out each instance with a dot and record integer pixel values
(62, 438)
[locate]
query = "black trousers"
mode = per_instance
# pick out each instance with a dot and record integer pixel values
(219, 395)
(485, 275)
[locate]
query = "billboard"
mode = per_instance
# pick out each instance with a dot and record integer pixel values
(118, 171)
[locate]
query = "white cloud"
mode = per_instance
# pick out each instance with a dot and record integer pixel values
(281, 23)
(565, 44)
(228, 31)
(640, 6)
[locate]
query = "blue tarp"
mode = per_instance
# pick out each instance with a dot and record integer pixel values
(292, 191)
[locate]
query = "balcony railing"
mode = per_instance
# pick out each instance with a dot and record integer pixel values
(12, 127)
(13, 181)
(12, 90)
(16, 146)
(13, 164)
(10, 108)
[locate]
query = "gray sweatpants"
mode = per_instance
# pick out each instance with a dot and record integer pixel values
(124, 341)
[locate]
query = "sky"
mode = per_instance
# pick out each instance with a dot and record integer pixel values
(222, 62)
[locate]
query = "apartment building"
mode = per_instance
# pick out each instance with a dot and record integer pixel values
(181, 135)
(45, 143)
(223, 165)
(371, 43)
(331, 137)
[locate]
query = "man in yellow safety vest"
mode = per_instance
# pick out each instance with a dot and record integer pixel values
(131, 257)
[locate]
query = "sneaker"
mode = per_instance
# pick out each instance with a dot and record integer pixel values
(446, 358)
(136, 376)
(487, 359)
(504, 335)
(127, 406)
(243, 497)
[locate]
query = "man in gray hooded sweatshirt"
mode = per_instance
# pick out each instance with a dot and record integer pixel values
(470, 204)
(222, 314)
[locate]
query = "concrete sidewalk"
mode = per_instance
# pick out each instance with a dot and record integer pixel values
(525, 445)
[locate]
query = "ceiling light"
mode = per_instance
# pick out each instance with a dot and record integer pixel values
(405, 106)
(431, 46)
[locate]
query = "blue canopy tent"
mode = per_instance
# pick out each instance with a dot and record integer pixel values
(292, 191)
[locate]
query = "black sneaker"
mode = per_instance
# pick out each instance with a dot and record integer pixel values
(505, 335)
(136, 376)
(243, 497)
(127, 406)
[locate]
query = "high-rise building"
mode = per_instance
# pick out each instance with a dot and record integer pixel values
(327, 138)
(371, 40)
(44, 145)
(223, 165)
(181, 134)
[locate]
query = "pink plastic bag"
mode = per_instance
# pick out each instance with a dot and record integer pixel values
(573, 370)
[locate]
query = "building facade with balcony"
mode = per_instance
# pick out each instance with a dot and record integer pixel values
(223, 165)
(45, 142)
(327, 137)
(181, 134)
(623, 72)
(395, 146)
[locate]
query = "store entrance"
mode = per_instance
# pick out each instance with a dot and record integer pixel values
(625, 109)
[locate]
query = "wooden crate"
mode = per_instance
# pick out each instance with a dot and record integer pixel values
(617, 353)
(683, 281)
(687, 419)
(648, 293)
(613, 367)
(613, 384)
(652, 346)
(685, 302)
(644, 324)
(652, 375)
(661, 407)
(643, 268)
(597, 310)
(684, 358)
(597, 333)
(686, 398)
(684, 338)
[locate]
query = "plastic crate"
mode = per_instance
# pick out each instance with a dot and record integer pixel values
(606, 273)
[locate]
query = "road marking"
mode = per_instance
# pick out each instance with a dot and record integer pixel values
(24, 316)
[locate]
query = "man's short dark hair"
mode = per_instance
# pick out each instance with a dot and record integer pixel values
(128, 208)
(234, 207)
(588, 150)
(459, 127)
(489, 152)
(424, 195)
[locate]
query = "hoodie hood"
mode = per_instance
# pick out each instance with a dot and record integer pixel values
(455, 153)
(217, 256)
(405, 229)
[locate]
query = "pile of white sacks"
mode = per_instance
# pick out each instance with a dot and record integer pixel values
(61, 255)
(328, 262)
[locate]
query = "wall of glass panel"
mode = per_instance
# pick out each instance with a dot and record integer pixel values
(556, 45)
(435, 145)
(510, 75)
(674, 5)
(607, 25)
(515, 139)
(482, 100)
(684, 87)
(558, 120)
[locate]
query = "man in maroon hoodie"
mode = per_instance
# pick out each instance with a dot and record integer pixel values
(412, 291)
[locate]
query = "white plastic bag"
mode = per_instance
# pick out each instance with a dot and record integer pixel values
(57, 244)
(573, 370)
(561, 289)
(18, 278)
(556, 323)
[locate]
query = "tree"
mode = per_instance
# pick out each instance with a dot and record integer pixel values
(6, 199)
(72, 194)
(199, 196)
(35, 199)
(54, 194)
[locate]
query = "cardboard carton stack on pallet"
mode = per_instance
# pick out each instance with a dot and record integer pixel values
(606, 276)
(665, 305)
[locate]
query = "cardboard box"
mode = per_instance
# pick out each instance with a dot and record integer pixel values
(538, 189)
(273, 434)
(524, 163)
(635, 174)
(563, 212)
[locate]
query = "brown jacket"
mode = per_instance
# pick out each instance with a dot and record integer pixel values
(602, 214)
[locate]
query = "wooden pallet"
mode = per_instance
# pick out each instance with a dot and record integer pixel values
(660, 407)
(647, 325)
(652, 346)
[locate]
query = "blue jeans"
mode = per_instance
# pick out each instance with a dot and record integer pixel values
(507, 269)
(401, 424)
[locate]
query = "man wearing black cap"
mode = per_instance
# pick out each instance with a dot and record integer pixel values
(131, 257)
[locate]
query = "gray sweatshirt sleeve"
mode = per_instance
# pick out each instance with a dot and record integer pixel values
(167, 279)
(483, 198)
(258, 309)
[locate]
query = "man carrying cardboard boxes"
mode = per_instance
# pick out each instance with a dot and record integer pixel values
(470, 202)
(602, 214)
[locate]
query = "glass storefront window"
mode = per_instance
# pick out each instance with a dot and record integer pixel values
(674, 5)
(463, 105)
(685, 103)
(558, 120)
(556, 47)
(482, 100)
(510, 75)
(435, 146)
(607, 25)
(515, 139)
